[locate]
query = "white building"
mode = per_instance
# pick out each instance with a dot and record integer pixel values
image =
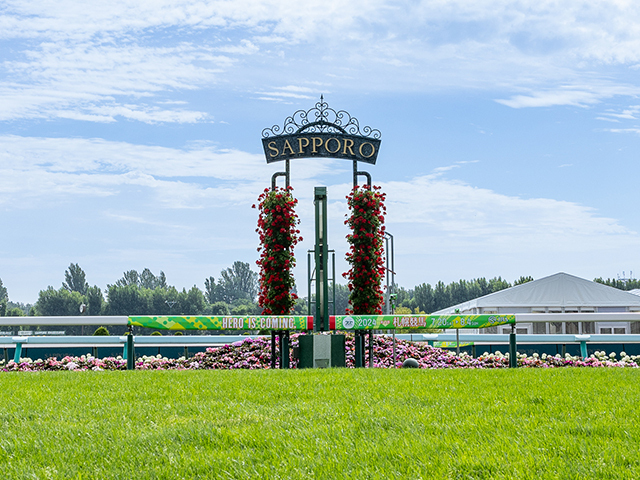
(559, 293)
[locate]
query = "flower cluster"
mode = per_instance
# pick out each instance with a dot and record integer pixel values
(366, 252)
(277, 224)
(255, 353)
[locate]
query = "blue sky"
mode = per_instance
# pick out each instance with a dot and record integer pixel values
(130, 133)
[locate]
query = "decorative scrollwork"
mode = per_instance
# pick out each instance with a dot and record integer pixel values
(321, 119)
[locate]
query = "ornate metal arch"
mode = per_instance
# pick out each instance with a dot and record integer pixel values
(323, 132)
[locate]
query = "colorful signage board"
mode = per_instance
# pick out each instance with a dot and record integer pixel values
(408, 322)
(270, 322)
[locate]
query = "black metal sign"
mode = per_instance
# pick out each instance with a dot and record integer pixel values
(321, 132)
(333, 145)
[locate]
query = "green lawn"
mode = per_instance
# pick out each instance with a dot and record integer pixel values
(342, 423)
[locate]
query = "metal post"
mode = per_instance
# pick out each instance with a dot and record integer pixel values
(18, 353)
(321, 316)
(273, 349)
(394, 349)
(583, 349)
(131, 354)
(284, 349)
(370, 348)
(359, 352)
(513, 350)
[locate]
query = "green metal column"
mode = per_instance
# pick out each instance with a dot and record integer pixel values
(359, 350)
(321, 314)
(583, 349)
(284, 349)
(131, 355)
(513, 351)
(18, 353)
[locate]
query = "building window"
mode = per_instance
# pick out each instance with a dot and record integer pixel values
(572, 327)
(620, 330)
(522, 331)
(605, 330)
(489, 330)
(635, 327)
(588, 327)
(555, 327)
(539, 328)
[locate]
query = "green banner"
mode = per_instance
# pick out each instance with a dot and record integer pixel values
(408, 322)
(452, 344)
(270, 322)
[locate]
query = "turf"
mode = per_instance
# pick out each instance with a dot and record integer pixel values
(357, 424)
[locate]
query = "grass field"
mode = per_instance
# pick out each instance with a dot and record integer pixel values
(357, 424)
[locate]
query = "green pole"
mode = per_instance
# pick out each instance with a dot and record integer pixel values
(321, 252)
(359, 353)
(513, 350)
(18, 353)
(284, 349)
(583, 349)
(131, 356)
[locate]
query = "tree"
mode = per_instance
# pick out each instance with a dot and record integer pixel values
(4, 295)
(342, 299)
(127, 300)
(95, 300)
(218, 308)
(101, 331)
(191, 302)
(522, 280)
(130, 277)
(75, 279)
(211, 290)
(238, 282)
(52, 302)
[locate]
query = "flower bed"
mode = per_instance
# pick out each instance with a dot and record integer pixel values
(255, 353)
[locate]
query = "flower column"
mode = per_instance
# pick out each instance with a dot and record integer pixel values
(277, 227)
(365, 256)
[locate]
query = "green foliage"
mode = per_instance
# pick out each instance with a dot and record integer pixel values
(439, 424)
(522, 280)
(245, 308)
(146, 279)
(619, 284)
(75, 279)
(4, 295)
(3, 308)
(428, 299)
(15, 312)
(238, 282)
(101, 331)
(52, 302)
(95, 300)
(211, 294)
(219, 308)
(127, 300)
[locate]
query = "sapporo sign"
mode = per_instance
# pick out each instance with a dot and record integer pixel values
(321, 132)
(334, 145)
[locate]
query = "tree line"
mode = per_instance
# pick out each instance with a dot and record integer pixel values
(233, 293)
